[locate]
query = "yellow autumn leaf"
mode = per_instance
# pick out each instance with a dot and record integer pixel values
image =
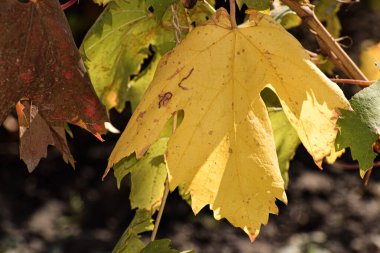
(223, 152)
(370, 60)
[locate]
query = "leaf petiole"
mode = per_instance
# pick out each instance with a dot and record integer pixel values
(233, 14)
(68, 4)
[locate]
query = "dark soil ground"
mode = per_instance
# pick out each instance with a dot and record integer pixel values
(56, 209)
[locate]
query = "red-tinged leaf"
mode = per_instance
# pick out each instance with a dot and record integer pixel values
(39, 61)
(36, 135)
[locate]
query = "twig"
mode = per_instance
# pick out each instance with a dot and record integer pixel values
(160, 211)
(327, 43)
(367, 176)
(68, 4)
(233, 14)
(176, 25)
(355, 166)
(352, 81)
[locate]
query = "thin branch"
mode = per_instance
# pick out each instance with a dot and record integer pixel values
(367, 176)
(176, 24)
(327, 43)
(166, 192)
(68, 4)
(352, 81)
(160, 211)
(233, 14)
(355, 166)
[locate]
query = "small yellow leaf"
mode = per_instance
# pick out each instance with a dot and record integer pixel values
(334, 155)
(370, 60)
(224, 152)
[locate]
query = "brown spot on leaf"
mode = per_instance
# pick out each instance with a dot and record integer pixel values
(141, 115)
(164, 99)
(184, 79)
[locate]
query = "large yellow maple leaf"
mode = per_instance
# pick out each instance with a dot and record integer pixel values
(223, 152)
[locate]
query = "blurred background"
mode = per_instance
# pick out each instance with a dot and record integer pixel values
(58, 209)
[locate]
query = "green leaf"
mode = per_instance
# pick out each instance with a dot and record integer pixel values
(285, 16)
(201, 12)
(159, 7)
(136, 88)
(130, 241)
(161, 246)
(185, 196)
(359, 129)
(326, 11)
(118, 43)
(148, 176)
(286, 140)
(255, 4)
(285, 136)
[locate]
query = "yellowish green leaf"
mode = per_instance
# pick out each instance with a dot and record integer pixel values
(117, 44)
(285, 135)
(130, 241)
(159, 7)
(286, 140)
(255, 4)
(370, 61)
(161, 246)
(136, 88)
(334, 155)
(284, 15)
(224, 152)
(148, 176)
(326, 11)
(102, 2)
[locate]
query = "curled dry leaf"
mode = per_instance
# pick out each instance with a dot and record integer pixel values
(36, 135)
(223, 152)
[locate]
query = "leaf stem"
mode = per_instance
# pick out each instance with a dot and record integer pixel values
(352, 81)
(68, 4)
(166, 191)
(209, 6)
(233, 14)
(160, 211)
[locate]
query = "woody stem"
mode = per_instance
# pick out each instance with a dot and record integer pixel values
(233, 14)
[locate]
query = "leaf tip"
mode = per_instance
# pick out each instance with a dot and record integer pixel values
(106, 171)
(99, 137)
(252, 235)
